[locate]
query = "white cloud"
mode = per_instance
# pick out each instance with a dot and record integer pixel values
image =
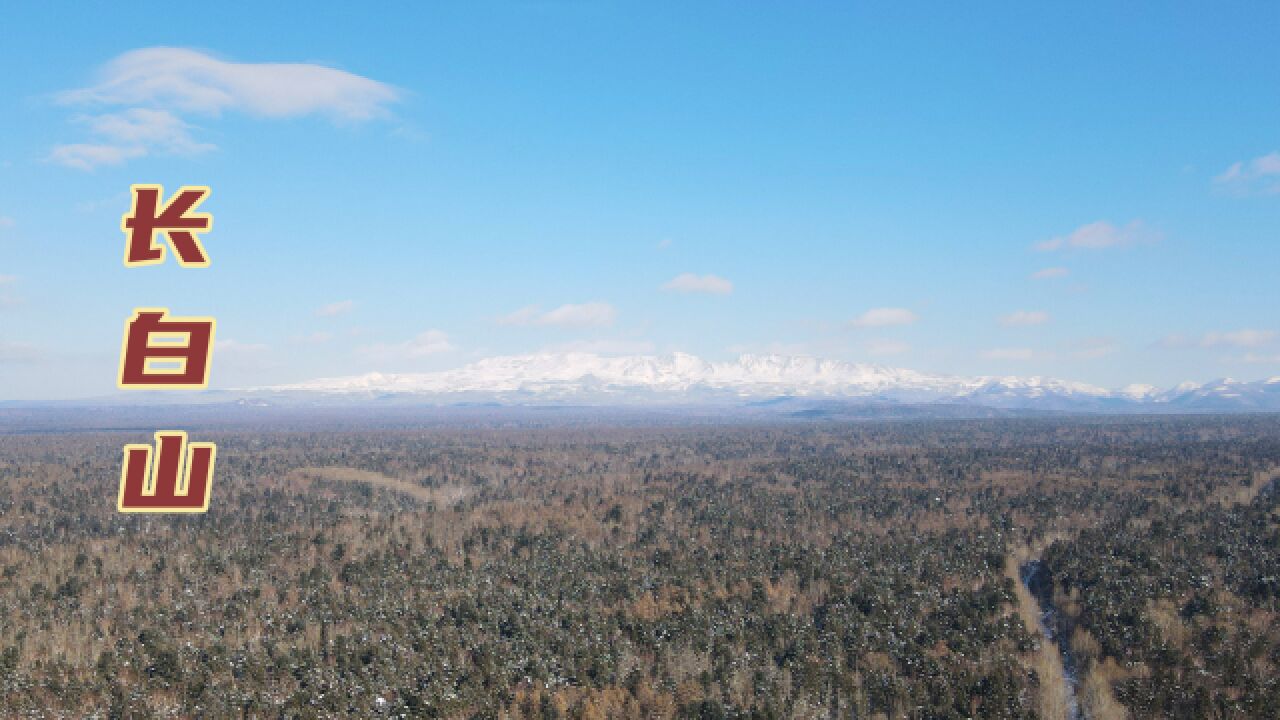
(664, 243)
(18, 352)
(1100, 235)
(883, 346)
(154, 84)
(884, 317)
(1258, 359)
(592, 313)
(582, 315)
(1050, 273)
(1261, 174)
(1245, 338)
(430, 342)
(1025, 318)
(314, 338)
(147, 127)
(128, 134)
(193, 81)
(1095, 348)
(1175, 341)
(87, 156)
(333, 309)
(1008, 354)
(7, 298)
(527, 315)
(691, 283)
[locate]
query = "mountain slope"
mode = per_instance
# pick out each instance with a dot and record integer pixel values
(585, 378)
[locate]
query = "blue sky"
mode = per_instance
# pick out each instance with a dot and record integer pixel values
(1088, 192)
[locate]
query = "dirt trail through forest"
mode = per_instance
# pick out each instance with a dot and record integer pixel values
(442, 496)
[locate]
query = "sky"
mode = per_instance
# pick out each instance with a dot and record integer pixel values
(1085, 191)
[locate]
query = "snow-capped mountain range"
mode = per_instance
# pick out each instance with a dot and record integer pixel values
(679, 378)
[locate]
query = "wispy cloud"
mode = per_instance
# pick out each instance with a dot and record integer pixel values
(87, 156)
(1260, 359)
(193, 81)
(1259, 175)
(315, 338)
(18, 352)
(333, 309)
(884, 317)
(1050, 273)
(1239, 338)
(129, 134)
(152, 86)
(1025, 318)
(5, 222)
(1095, 348)
(1100, 235)
(430, 342)
(588, 314)
(1245, 338)
(704, 284)
(1008, 354)
(7, 297)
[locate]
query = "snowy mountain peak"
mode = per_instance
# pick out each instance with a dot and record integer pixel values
(681, 378)
(1139, 391)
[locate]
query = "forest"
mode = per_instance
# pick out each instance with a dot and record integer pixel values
(1118, 567)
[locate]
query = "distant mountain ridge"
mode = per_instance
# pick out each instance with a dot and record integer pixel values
(680, 378)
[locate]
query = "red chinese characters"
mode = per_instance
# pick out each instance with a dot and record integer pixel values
(172, 483)
(176, 222)
(165, 352)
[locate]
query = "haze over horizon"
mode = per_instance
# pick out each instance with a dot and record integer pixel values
(1090, 194)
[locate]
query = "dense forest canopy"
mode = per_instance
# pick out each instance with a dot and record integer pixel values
(804, 570)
